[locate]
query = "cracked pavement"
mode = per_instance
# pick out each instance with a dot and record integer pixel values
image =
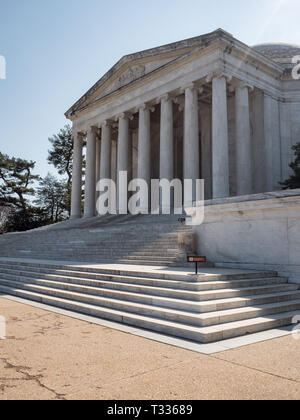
(48, 356)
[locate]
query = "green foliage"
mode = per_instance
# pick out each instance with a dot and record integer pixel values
(16, 181)
(16, 185)
(294, 181)
(61, 153)
(5, 211)
(19, 221)
(52, 199)
(61, 157)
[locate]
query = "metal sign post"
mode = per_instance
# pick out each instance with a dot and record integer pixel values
(196, 261)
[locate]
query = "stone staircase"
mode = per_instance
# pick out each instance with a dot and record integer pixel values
(207, 308)
(148, 240)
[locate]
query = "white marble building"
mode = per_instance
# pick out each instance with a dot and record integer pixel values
(208, 107)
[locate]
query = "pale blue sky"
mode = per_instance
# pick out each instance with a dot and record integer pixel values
(56, 49)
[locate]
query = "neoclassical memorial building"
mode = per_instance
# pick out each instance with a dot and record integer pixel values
(209, 107)
(213, 108)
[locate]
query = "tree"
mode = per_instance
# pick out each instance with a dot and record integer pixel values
(5, 211)
(61, 154)
(16, 181)
(294, 181)
(51, 199)
(61, 157)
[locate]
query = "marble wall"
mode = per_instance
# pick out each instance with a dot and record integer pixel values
(257, 232)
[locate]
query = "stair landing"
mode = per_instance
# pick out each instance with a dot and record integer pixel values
(217, 304)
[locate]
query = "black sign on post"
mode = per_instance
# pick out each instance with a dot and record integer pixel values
(196, 261)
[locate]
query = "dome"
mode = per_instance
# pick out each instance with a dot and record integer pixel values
(279, 52)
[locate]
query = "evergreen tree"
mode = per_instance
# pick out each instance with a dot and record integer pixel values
(51, 199)
(61, 157)
(294, 181)
(16, 181)
(16, 185)
(5, 211)
(61, 153)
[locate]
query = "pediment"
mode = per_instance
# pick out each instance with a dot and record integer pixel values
(129, 73)
(134, 72)
(132, 68)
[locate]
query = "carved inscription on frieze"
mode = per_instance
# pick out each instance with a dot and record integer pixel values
(131, 74)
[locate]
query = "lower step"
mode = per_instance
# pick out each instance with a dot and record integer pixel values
(197, 334)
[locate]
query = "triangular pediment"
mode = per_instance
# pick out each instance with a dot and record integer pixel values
(129, 73)
(132, 68)
(133, 72)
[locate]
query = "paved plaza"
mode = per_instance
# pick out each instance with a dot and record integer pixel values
(50, 356)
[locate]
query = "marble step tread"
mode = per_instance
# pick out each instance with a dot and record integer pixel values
(161, 310)
(97, 255)
(91, 270)
(130, 301)
(197, 334)
(98, 260)
(176, 315)
(130, 278)
(150, 286)
(278, 295)
(151, 261)
(103, 244)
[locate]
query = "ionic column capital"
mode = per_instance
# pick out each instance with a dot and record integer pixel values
(218, 74)
(106, 123)
(93, 130)
(164, 98)
(123, 116)
(77, 135)
(243, 85)
(179, 100)
(146, 107)
(192, 86)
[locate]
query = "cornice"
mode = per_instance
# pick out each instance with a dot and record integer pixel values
(188, 44)
(225, 44)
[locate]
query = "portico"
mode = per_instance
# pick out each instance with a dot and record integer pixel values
(187, 110)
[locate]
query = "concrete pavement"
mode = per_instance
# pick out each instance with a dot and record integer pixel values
(51, 356)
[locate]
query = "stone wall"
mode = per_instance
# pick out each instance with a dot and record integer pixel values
(256, 232)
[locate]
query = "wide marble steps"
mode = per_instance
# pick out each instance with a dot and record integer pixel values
(204, 309)
(144, 240)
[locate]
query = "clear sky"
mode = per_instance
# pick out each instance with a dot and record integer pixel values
(56, 49)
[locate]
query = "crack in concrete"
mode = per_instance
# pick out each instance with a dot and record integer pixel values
(90, 386)
(28, 377)
(255, 369)
(35, 318)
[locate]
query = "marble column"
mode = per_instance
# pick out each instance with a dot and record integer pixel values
(123, 163)
(144, 149)
(98, 157)
(166, 144)
(90, 175)
(166, 139)
(243, 141)
(105, 161)
(220, 146)
(191, 165)
(144, 152)
(206, 153)
(77, 176)
(130, 155)
(272, 143)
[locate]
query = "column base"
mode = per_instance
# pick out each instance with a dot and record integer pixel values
(75, 217)
(89, 216)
